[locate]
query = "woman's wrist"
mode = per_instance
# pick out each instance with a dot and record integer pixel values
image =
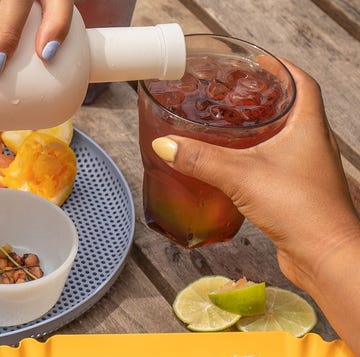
(335, 286)
(319, 251)
(337, 256)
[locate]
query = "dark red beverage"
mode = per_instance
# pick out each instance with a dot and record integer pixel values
(225, 99)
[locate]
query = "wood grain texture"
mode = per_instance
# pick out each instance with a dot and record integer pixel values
(345, 12)
(132, 305)
(162, 11)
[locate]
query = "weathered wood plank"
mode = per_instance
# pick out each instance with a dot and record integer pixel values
(304, 34)
(162, 11)
(132, 305)
(345, 12)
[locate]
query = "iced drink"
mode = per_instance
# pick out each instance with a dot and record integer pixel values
(233, 94)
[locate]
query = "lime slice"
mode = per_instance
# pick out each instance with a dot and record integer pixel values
(285, 311)
(193, 306)
(244, 298)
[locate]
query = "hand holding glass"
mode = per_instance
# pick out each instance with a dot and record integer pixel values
(233, 94)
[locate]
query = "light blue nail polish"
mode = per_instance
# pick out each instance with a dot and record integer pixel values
(2, 61)
(49, 50)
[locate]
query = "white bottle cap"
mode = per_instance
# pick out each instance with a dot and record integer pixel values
(135, 53)
(175, 51)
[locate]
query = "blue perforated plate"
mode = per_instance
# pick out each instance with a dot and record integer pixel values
(102, 209)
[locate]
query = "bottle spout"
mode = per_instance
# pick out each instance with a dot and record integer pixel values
(37, 94)
(136, 53)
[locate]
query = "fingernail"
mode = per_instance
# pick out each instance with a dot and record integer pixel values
(2, 61)
(165, 148)
(49, 50)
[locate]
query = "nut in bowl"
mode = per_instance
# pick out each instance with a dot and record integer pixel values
(32, 224)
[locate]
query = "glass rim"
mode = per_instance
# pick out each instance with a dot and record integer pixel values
(230, 127)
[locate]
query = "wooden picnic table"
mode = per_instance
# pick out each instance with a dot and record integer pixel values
(320, 36)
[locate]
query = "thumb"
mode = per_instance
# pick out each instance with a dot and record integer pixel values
(202, 161)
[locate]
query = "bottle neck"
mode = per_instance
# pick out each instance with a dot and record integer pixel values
(136, 53)
(37, 94)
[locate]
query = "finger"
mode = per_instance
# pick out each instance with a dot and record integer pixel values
(309, 103)
(55, 25)
(202, 160)
(13, 16)
(309, 98)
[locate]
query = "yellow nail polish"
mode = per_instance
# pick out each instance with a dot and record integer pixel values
(165, 148)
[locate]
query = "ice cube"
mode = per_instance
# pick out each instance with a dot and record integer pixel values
(157, 86)
(204, 69)
(232, 77)
(169, 99)
(202, 104)
(226, 113)
(263, 112)
(217, 90)
(271, 94)
(243, 97)
(252, 83)
(247, 115)
(187, 83)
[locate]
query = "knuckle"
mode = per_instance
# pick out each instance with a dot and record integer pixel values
(9, 39)
(314, 83)
(196, 161)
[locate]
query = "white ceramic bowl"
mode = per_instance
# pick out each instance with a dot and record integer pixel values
(31, 224)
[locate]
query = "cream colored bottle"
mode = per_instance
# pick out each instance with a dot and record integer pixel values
(36, 94)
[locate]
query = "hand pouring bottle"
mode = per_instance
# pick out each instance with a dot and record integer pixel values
(35, 94)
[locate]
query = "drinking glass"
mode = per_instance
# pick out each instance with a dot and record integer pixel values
(233, 94)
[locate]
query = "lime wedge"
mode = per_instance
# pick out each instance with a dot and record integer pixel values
(193, 306)
(285, 311)
(245, 299)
